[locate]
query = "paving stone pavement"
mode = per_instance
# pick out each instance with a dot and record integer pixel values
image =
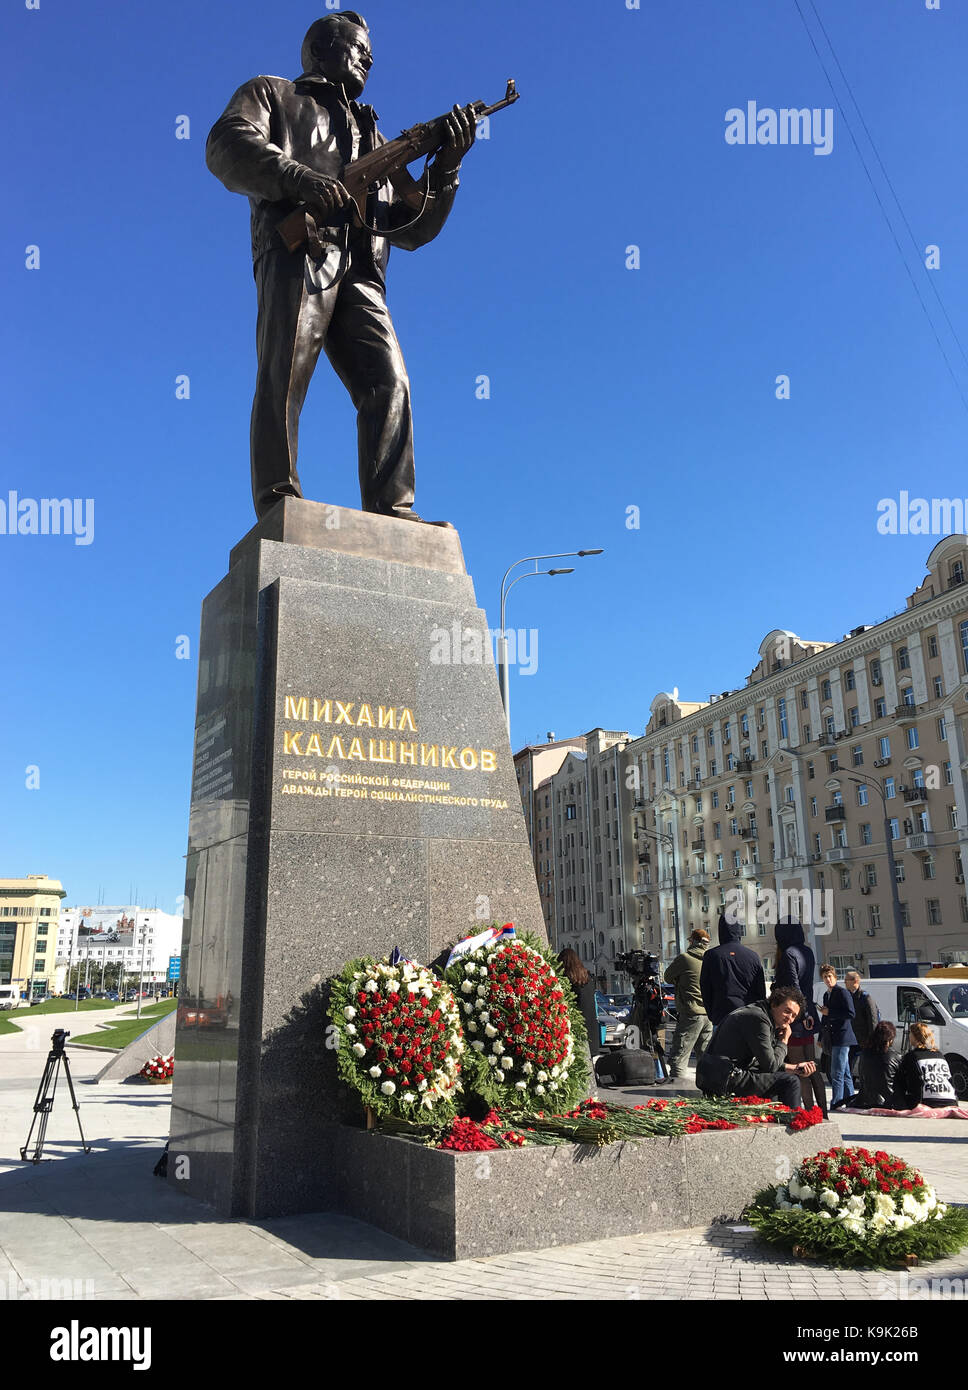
(104, 1223)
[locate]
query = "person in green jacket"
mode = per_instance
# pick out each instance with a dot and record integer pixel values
(693, 1029)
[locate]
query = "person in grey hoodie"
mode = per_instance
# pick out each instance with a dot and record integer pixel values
(731, 976)
(693, 1029)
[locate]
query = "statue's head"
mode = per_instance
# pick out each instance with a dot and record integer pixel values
(338, 48)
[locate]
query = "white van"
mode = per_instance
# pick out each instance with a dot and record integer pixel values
(940, 1002)
(9, 997)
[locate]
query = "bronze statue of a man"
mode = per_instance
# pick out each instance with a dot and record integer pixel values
(285, 144)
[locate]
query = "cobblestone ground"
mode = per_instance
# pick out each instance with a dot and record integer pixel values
(103, 1222)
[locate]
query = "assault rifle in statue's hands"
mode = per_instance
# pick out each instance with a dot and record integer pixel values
(388, 163)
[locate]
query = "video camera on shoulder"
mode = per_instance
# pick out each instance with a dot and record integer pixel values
(638, 964)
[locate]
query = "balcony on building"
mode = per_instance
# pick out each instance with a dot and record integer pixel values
(835, 813)
(699, 844)
(915, 793)
(835, 856)
(644, 856)
(920, 841)
(904, 713)
(749, 832)
(749, 870)
(744, 765)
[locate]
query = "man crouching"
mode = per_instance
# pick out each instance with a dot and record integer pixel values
(747, 1053)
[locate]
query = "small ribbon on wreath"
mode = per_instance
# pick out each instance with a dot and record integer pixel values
(484, 938)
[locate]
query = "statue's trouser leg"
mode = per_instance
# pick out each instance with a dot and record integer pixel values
(291, 327)
(362, 346)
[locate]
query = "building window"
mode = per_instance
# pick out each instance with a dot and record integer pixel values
(789, 795)
(833, 763)
(813, 806)
(764, 749)
(848, 919)
(810, 772)
(899, 873)
(933, 906)
(862, 796)
(870, 875)
(907, 697)
(903, 659)
(927, 867)
(932, 645)
(884, 746)
(804, 700)
(947, 773)
(875, 670)
(880, 709)
(781, 706)
(912, 737)
(825, 690)
(952, 817)
(711, 738)
(853, 716)
(963, 631)
(938, 687)
(715, 799)
(942, 729)
(875, 916)
(858, 756)
(570, 813)
(894, 827)
(890, 790)
(850, 682)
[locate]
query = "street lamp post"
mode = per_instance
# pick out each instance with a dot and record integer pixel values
(670, 843)
(892, 865)
(502, 641)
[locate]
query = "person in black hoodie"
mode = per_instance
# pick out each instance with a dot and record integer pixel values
(796, 965)
(731, 976)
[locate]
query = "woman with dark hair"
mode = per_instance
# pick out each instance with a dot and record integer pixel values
(584, 987)
(795, 965)
(877, 1065)
(923, 1077)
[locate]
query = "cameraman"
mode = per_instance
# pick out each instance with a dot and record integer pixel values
(693, 1029)
(747, 1054)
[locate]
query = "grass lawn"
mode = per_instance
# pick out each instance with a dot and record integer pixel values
(63, 1006)
(126, 1029)
(164, 1006)
(6, 1026)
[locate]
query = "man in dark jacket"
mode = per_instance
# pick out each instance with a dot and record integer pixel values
(284, 144)
(693, 1029)
(731, 975)
(748, 1051)
(866, 1016)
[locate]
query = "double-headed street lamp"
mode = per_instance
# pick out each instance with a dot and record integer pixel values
(502, 641)
(892, 864)
(669, 841)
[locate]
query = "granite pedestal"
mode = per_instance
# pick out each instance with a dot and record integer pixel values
(353, 790)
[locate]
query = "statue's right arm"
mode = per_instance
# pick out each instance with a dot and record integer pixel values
(240, 151)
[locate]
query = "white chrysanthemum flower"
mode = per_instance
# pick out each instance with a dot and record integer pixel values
(359, 1050)
(884, 1205)
(472, 1027)
(528, 1068)
(555, 1070)
(539, 1090)
(467, 987)
(507, 1063)
(542, 1076)
(393, 986)
(466, 1007)
(520, 1085)
(413, 989)
(470, 968)
(349, 1012)
(388, 1088)
(371, 986)
(902, 1222)
(349, 1028)
(829, 1198)
(911, 1206)
(375, 1072)
(498, 1047)
(855, 1205)
(552, 1085)
(477, 1046)
(484, 1015)
(357, 976)
(427, 993)
(854, 1225)
(563, 1076)
(491, 1060)
(422, 1084)
(481, 990)
(408, 1097)
(483, 970)
(490, 1031)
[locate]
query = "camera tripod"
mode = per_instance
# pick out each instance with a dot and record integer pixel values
(46, 1092)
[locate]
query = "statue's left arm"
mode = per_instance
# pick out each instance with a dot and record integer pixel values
(444, 182)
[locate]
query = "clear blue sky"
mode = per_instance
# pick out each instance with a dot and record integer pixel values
(610, 387)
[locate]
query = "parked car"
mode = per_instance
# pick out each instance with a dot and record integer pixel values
(9, 997)
(82, 992)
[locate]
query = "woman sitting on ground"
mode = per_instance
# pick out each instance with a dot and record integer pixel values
(877, 1066)
(923, 1077)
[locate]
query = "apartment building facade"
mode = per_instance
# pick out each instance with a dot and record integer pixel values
(29, 923)
(782, 795)
(142, 940)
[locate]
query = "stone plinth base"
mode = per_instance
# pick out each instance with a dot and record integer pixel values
(464, 1205)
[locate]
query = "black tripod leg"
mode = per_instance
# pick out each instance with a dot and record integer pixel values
(77, 1109)
(41, 1109)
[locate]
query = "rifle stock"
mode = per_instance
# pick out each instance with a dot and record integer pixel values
(386, 163)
